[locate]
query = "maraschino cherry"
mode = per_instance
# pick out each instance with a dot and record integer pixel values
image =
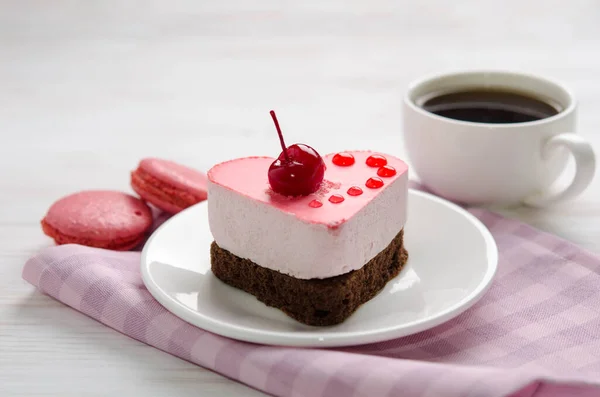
(299, 169)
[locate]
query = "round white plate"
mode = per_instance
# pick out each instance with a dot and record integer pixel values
(452, 260)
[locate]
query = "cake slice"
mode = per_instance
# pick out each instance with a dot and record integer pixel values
(316, 256)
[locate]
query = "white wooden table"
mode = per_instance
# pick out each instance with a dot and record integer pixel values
(87, 88)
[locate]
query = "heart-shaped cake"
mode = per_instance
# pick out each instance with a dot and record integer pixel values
(316, 256)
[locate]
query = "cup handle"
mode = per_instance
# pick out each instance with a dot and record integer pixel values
(585, 166)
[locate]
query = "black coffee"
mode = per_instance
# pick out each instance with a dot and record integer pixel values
(489, 106)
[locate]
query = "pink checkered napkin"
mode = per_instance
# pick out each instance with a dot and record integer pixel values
(535, 333)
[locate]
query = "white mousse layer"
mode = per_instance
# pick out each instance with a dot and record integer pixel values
(279, 241)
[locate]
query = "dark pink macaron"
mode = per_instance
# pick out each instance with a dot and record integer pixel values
(99, 218)
(167, 185)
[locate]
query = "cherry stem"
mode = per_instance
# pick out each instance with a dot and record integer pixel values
(272, 112)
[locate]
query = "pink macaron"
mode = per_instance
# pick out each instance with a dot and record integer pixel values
(170, 186)
(98, 218)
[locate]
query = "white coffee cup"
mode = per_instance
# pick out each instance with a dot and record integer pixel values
(483, 163)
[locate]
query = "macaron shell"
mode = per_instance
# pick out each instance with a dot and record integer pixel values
(155, 196)
(98, 217)
(159, 194)
(178, 176)
(167, 185)
(116, 244)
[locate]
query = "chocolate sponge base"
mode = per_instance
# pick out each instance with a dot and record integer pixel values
(319, 302)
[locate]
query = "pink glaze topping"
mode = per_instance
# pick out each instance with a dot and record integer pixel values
(249, 176)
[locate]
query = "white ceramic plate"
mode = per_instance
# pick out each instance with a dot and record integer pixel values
(452, 260)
